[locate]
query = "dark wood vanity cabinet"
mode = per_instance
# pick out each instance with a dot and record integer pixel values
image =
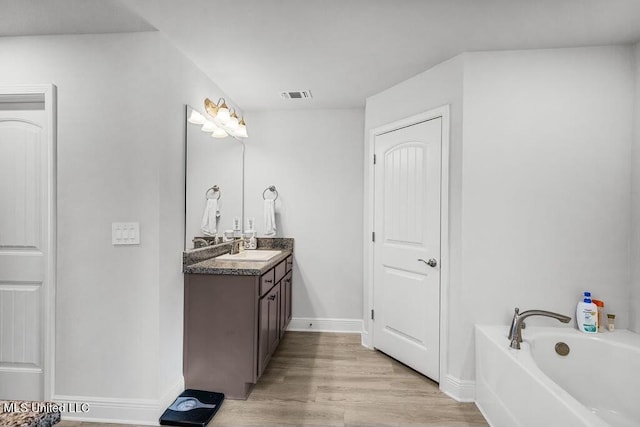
(232, 326)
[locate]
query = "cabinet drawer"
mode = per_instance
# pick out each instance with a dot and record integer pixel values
(267, 281)
(281, 270)
(289, 263)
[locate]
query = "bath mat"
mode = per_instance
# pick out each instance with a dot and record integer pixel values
(192, 408)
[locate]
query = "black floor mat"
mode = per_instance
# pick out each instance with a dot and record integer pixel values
(192, 408)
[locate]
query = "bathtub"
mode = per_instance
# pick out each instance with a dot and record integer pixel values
(596, 384)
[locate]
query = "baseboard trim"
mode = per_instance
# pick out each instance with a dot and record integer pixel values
(308, 324)
(366, 340)
(171, 394)
(460, 390)
(120, 411)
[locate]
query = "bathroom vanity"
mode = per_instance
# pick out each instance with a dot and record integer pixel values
(235, 313)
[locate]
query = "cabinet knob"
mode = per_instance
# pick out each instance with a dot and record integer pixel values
(268, 281)
(272, 297)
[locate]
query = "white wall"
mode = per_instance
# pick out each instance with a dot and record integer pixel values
(182, 83)
(634, 322)
(314, 158)
(542, 146)
(438, 86)
(120, 158)
(546, 193)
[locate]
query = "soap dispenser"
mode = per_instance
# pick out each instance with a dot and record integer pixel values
(250, 235)
(253, 242)
(236, 228)
(587, 315)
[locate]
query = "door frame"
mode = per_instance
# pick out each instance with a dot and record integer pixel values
(442, 112)
(49, 91)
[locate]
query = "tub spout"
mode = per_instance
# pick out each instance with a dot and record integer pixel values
(515, 331)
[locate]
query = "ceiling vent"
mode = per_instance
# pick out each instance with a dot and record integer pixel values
(296, 94)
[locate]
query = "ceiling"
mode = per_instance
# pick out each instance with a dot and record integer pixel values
(341, 50)
(42, 17)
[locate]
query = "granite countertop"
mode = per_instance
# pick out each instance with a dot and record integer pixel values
(236, 268)
(203, 260)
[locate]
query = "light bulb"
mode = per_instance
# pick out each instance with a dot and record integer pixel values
(242, 132)
(219, 133)
(223, 115)
(242, 129)
(209, 126)
(233, 123)
(234, 132)
(196, 118)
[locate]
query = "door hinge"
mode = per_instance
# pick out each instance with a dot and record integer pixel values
(373, 236)
(374, 159)
(372, 314)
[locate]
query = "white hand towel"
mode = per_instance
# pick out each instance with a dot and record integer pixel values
(211, 212)
(269, 217)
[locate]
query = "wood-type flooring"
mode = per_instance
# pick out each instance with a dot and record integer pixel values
(328, 379)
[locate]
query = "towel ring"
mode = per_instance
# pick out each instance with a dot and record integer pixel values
(215, 190)
(271, 188)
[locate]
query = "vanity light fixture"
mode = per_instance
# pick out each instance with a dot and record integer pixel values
(223, 123)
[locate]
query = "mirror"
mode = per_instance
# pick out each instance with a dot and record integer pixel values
(212, 162)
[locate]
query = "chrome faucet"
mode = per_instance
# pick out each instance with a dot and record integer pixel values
(235, 246)
(517, 324)
(199, 242)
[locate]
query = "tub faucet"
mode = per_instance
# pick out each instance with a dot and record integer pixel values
(515, 331)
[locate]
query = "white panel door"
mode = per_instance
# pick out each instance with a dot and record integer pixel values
(406, 289)
(24, 234)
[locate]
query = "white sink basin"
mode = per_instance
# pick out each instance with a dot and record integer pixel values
(250, 255)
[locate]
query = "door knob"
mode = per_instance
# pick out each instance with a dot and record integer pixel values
(431, 263)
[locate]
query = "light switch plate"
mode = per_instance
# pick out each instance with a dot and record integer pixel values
(125, 233)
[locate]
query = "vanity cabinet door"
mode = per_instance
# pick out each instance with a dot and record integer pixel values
(288, 310)
(285, 303)
(274, 318)
(269, 327)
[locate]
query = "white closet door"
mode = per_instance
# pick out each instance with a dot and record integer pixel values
(24, 246)
(406, 289)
